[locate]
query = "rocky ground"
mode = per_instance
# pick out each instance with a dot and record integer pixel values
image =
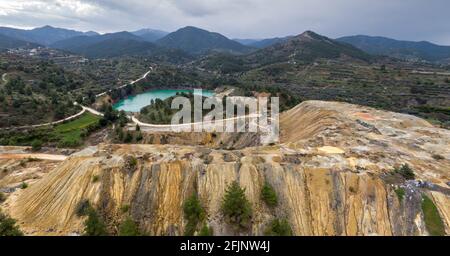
(332, 172)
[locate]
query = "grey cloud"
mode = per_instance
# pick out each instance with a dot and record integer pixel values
(409, 20)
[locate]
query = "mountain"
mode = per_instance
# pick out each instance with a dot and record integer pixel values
(399, 49)
(262, 43)
(269, 42)
(119, 44)
(7, 42)
(246, 41)
(107, 45)
(150, 35)
(198, 41)
(44, 35)
(306, 47)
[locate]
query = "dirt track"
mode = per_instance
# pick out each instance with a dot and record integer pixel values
(33, 156)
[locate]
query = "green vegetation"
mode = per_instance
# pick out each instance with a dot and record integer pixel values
(83, 208)
(129, 228)
(236, 207)
(433, 220)
(36, 145)
(269, 195)
(193, 213)
(24, 185)
(2, 197)
(125, 208)
(94, 224)
(278, 227)
(95, 178)
(8, 226)
(69, 134)
(406, 172)
(400, 193)
(206, 231)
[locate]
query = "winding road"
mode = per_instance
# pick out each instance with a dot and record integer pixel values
(123, 86)
(4, 80)
(84, 109)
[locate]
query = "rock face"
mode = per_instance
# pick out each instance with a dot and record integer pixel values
(332, 173)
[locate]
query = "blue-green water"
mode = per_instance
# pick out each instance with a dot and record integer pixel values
(137, 102)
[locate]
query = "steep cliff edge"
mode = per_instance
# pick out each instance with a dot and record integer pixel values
(332, 172)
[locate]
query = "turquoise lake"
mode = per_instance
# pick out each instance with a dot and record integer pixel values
(137, 102)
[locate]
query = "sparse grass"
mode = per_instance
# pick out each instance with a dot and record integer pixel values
(400, 193)
(433, 220)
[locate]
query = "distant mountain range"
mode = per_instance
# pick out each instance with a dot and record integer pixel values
(306, 47)
(107, 45)
(262, 43)
(45, 35)
(7, 42)
(150, 35)
(399, 49)
(198, 41)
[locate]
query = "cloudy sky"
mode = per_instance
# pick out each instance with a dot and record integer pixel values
(401, 19)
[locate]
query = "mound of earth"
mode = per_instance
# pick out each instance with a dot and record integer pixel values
(333, 173)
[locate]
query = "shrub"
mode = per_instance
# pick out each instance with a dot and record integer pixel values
(433, 220)
(139, 136)
(94, 225)
(8, 226)
(406, 172)
(128, 137)
(206, 231)
(2, 197)
(24, 185)
(236, 207)
(131, 162)
(268, 195)
(194, 214)
(129, 228)
(95, 178)
(83, 208)
(438, 157)
(69, 143)
(400, 193)
(278, 228)
(36, 145)
(125, 208)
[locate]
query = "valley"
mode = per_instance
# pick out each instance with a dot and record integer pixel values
(85, 136)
